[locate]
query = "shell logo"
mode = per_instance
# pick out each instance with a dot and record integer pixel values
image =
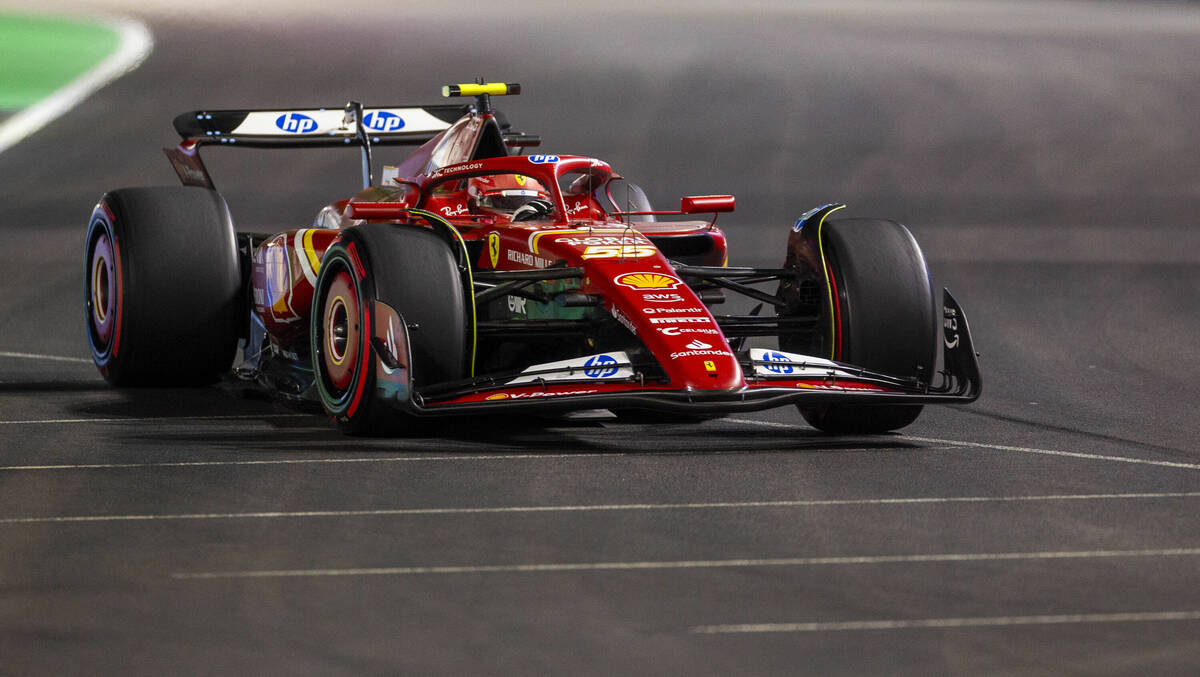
(498, 396)
(646, 281)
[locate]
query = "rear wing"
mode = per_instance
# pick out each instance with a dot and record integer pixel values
(317, 127)
(352, 125)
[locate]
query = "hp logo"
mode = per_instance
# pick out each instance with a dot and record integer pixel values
(543, 159)
(295, 123)
(383, 121)
(603, 369)
(778, 368)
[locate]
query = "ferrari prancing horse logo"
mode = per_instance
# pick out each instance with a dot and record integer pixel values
(494, 248)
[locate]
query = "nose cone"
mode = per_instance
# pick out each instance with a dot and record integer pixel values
(669, 318)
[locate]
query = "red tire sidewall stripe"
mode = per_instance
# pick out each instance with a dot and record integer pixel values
(365, 333)
(837, 314)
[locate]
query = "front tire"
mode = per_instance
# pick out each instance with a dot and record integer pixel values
(415, 273)
(162, 286)
(880, 316)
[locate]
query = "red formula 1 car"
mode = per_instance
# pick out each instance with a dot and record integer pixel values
(474, 278)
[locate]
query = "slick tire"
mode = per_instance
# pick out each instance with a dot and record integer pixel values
(163, 297)
(413, 271)
(882, 317)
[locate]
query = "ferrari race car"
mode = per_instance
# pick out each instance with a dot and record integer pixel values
(475, 278)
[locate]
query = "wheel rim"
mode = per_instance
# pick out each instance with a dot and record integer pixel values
(102, 290)
(340, 331)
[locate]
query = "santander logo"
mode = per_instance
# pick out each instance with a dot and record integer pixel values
(698, 345)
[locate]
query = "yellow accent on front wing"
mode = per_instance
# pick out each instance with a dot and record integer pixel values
(310, 252)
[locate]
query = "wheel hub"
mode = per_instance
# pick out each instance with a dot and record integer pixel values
(102, 291)
(340, 324)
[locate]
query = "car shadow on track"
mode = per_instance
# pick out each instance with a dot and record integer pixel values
(47, 386)
(226, 417)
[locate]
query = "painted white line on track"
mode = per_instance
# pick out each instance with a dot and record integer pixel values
(611, 507)
(1003, 447)
(49, 358)
(765, 424)
(694, 564)
(146, 419)
(133, 47)
(1068, 454)
(975, 622)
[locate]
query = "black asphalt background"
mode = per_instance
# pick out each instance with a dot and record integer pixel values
(1044, 157)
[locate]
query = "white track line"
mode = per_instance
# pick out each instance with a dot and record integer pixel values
(611, 507)
(1002, 447)
(976, 622)
(51, 358)
(134, 45)
(146, 419)
(1056, 452)
(693, 564)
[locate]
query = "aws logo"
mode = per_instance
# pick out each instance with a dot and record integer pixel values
(296, 123)
(383, 121)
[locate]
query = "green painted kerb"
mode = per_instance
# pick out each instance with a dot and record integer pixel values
(39, 55)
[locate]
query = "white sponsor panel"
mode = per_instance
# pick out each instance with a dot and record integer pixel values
(593, 367)
(779, 363)
(314, 122)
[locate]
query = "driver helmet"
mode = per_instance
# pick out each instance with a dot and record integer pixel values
(503, 194)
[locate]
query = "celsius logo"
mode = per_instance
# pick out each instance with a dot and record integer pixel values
(603, 364)
(777, 368)
(383, 121)
(296, 123)
(676, 331)
(698, 345)
(543, 159)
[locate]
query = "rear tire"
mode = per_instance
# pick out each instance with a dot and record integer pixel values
(882, 317)
(163, 294)
(412, 270)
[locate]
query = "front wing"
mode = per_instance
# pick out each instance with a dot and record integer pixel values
(818, 383)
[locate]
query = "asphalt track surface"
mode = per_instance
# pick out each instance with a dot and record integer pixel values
(1045, 156)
